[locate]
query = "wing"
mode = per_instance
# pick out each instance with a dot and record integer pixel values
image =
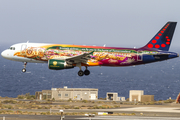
(83, 58)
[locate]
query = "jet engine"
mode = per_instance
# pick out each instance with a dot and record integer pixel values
(58, 64)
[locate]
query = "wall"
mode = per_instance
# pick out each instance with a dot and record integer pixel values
(147, 98)
(74, 94)
(137, 93)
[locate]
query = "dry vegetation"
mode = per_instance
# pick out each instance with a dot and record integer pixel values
(48, 113)
(16, 104)
(23, 103)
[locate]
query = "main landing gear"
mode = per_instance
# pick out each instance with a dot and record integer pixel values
(81, 73)
(86, 72)
(24, 69)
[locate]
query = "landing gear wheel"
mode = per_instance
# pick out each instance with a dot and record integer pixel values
(86, 72)
(80, 73)
(23, 70)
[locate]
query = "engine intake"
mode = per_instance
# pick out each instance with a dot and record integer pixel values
(58, 64)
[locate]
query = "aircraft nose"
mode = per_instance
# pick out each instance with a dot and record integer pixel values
(5, 54)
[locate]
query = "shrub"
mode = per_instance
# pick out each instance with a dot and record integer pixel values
(70, 100)
(3, 111)
(7, 106)
(95, 107)
(133, 114)
(43, 113)
(10, 107)
(83, 106)
(116, 106)
(9, 101)
(102, 98)
(159, 102)
(114, 102)
(48, 113)
(19, 111)
(20, 97)
(169, 101)
(84, 101)
(100, 102)
(26, 96)
(152, 103)
(76, 107)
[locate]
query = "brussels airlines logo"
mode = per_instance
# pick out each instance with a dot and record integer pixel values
(55, 63)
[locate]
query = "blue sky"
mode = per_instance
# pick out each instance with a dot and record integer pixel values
(120, 23)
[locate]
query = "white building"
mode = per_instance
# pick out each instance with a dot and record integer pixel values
(68, 93)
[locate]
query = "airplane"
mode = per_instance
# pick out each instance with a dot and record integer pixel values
(63, 56)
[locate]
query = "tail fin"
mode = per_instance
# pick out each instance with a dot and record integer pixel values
(162, 40)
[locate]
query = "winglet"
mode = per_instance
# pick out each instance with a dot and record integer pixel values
(91, 53)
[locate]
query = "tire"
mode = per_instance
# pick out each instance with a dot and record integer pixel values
(86, 72)
(23, 70)
(80, 73)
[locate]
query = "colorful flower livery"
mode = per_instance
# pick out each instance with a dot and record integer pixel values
(60, 56)
(100, 55)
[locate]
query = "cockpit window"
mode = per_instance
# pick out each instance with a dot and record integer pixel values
(12, 48)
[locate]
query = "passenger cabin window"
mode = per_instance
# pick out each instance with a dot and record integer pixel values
(12, 48)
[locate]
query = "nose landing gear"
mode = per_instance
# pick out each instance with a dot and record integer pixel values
(24, 69)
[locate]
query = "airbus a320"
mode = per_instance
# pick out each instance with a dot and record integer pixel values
(62, 56)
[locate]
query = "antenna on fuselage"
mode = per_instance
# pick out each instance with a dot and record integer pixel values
(28, 41)
(104, 45)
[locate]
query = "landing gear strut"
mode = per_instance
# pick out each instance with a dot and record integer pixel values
(24, 69)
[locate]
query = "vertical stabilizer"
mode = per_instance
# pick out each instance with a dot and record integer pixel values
(162, 40)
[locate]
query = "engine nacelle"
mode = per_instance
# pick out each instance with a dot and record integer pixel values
(58, 64)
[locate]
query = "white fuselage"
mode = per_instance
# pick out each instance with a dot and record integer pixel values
(9, 53)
